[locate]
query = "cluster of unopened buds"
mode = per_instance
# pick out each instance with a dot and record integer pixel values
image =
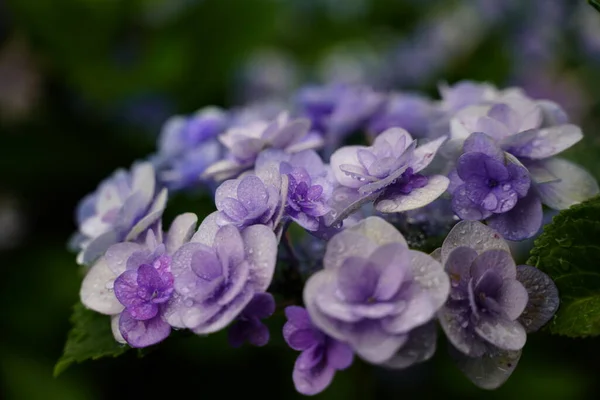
(474, 167)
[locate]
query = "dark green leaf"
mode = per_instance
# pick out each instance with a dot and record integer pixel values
(569, 252)
(90, 338)
(595, 4)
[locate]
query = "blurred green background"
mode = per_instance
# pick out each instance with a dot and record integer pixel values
(86, 84)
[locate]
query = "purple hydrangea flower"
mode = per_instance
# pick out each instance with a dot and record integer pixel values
(492, 304)
(386, 172)
(187, 146)
(374, 291)
(253, 199)
(248, 326)
(310, 184)
(121, 209)
(321, 355)
(533, 132)
(490, 185)
(244, 142)
(408, 111)
(133, 283)
(338, 110)
(218, 273)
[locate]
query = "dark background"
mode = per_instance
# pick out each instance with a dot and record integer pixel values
(86, 84)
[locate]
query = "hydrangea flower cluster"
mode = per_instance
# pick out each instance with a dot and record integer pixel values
(481, 155)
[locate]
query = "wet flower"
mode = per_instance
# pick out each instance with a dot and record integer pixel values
(187, 146)
(121, 209)
(386, 172)
(310, 184)
(321, 355)
(253, 199)
(245, 141)
(373, 292)
(133, 282)
(490, 185)
(218, 273)
(492, 304)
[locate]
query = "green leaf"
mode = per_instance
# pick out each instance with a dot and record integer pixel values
(595, 4)
(569, 252)
(90, 338)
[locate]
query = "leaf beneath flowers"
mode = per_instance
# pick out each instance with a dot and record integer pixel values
(89, 339)
(568, 251)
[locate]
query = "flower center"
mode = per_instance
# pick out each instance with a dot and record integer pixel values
(492, 183)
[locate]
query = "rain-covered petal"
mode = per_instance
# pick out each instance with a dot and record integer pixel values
(425, 153)
(489, 371)
(573, 184)
(475, 235)
(430, 275)
(260, 246)
(538, 144)
(543, 297)
(458, 264)
(417, 198)
(502, 333)
(96, 290)
(499, 261)
(181, 230)
(345, 201)
(457, 326)
(513, 298)
(375, 345)
(420, 347)
(481, 143)
(347, 155)
(465, 208)
(207, 230)
(143, 333)
(521, 222)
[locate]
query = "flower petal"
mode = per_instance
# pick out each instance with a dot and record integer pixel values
(499, 261)
(475, 235)
(489, 371)
(96, 291)
(537, 144)
(153, 215)
(420, 347)
(260, 246)
(181, 230)
(346, 155)
(430, 275)
(345, 201)
(523, 221)
(457, 325)
(339, 355)
(482, 143)
(373, 344)
(502, 333)
(424, 154)
(143, 333)
(513, 298)
(574, 185)
(543, 297)
(420, 197)
(314, 380)
(207, 230)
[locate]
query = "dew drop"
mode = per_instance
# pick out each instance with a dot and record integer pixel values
(110, 285)
(189, 303)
